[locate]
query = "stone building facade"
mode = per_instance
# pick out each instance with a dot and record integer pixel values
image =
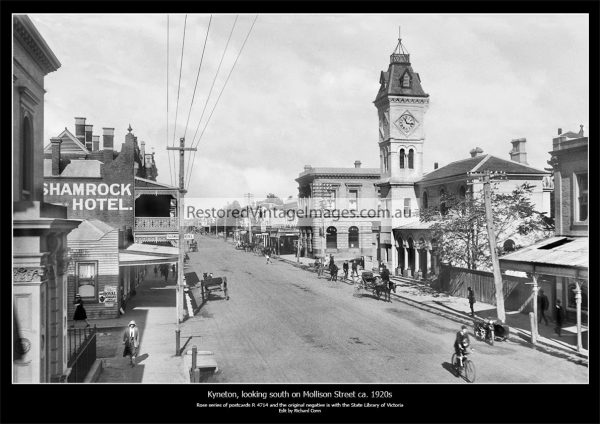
(350, 191)
(40, 247)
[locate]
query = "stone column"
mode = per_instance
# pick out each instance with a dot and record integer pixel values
(428, 253)
(394, 253)
(417, 262)
(406, 264)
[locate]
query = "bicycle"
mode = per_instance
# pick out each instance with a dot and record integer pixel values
(468, 368)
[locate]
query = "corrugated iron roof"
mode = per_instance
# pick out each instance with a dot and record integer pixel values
(568, 251)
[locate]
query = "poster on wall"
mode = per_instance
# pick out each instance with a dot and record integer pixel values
(110, 295)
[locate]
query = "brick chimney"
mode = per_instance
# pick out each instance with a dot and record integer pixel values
(80, 129)
(357, 164)
(56, 155)
(435, 165)
(108, 135)
(559, 131)
(518, 154)
(95, 143)
(88, 136)
(477, 151)
(307, 167)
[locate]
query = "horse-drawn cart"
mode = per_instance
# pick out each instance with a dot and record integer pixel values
(371, 283)
(214, 284)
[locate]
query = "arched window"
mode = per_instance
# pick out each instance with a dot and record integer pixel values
(353, 237)
(331, 238)
(402, 159)
(509, 246)
(425, 200)
(27, 159)
(411, 159)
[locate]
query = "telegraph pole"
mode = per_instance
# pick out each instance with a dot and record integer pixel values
(179, 287)
(491, 230)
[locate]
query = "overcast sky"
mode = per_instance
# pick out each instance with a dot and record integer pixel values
(302, 90)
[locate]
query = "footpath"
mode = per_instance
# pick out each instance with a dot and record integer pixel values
(421, 296)
(153, 310)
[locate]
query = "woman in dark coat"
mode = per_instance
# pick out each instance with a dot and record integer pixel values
(80, 314)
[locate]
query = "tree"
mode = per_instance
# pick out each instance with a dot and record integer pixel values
(459, 225)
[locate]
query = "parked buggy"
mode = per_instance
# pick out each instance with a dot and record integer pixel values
(371, 283)
(212, 284)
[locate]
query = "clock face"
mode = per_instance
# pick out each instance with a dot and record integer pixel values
(406, 123)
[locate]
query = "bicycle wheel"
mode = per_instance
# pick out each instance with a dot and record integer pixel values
(454, 366)
(469, 371)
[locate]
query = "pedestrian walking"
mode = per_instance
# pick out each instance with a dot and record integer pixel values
(173, 269)
(542, 304)
(345, 267)
(559, 317)
(471, 297)
(131, 340)
(268, 255)
(79, 314)
(354, 268)
(155, 271)
(385, 278)
(164, 271)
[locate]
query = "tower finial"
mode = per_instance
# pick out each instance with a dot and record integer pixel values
(129, 129)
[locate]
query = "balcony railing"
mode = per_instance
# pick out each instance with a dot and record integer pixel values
(82, 353)
(157, 224)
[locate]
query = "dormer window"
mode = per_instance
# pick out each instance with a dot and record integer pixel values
(406, 79)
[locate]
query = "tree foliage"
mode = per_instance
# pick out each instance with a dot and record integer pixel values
(460, 230)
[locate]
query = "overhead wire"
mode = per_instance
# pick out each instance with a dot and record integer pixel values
(197, 77)
(211, 89)
(179, 89)
(223, 88)
(167, 137)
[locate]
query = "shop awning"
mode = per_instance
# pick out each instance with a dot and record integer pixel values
(559, 256)
(147, 254)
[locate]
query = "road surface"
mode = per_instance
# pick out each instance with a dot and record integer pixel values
(284, 325)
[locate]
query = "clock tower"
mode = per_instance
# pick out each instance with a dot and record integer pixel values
(401, 105)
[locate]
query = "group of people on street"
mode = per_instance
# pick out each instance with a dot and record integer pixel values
(334, 269)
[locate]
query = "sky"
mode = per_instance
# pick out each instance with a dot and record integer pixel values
(302, 89)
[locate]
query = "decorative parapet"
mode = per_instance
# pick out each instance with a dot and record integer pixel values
(160, 224)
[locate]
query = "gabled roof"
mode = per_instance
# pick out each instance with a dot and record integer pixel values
(70, 144)
(90, 229)
(480, 163)
(143, 182)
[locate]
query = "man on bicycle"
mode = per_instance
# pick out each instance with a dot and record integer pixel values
(461, 344)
